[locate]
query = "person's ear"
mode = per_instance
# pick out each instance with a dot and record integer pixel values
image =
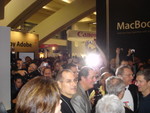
(148, 83)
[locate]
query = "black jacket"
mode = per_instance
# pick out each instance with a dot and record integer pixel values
(135, 94)
(66, 106)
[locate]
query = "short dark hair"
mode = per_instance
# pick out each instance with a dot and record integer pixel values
(84, 72)
(18, 76)
(145, 73)
(59, 75)
(68, 66)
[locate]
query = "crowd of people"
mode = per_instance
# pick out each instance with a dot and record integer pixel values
(57, 85)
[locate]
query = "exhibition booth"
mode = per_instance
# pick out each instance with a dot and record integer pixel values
(83, 42)
(24, 44)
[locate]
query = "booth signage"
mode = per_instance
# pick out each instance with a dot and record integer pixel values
(20, 44)
(81, 34)
(24, 42)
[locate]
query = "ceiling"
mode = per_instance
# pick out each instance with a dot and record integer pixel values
(48, 10)
(48, 18)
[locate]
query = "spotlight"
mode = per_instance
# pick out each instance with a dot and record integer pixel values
(93, 60)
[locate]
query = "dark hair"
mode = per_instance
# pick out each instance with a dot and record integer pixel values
(145, 73)
(84, 72)
(19, 59)
(59, 75)
(68, 66)
(18, 76)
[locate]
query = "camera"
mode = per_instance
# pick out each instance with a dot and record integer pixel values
(132, 50)
(98, 95)
(45, 64)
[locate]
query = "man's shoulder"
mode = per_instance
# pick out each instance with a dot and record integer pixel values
(133, 87)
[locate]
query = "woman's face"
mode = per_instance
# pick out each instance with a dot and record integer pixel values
(58, 107)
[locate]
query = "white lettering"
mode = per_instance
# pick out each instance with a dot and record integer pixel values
(120, 26)
(148, 23)
(143, 24)
(137, 24)
(134, 25)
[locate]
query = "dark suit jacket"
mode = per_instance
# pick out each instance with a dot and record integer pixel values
(127, 110)
(135, 94)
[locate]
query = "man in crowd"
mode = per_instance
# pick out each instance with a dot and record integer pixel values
(80, 101)
(116, 86)
(109, 104)
(18, 66)
(17, 83)
(131, 97)
(67, 83)
(100, 85)
(143, 84)
(73, 68)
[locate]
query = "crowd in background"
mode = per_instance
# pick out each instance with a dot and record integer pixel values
(100, 88)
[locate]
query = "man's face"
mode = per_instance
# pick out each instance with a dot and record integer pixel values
(127, 76)
(124, 63)
(90, 79)
(75, 70)
(47, 72)
(105, 76)
(19, 63)
(18, 83)
(68, 84)
(142, 84)
(32, 67)
(57, 66)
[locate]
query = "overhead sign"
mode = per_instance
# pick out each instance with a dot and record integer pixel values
(24, 42)
(75, 35)
(129, 26)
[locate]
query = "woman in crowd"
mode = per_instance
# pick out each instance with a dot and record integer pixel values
(39, 95)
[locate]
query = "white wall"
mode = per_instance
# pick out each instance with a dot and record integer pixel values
(5, 66)
(83, 27)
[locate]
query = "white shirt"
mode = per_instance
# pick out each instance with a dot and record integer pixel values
(128, 99)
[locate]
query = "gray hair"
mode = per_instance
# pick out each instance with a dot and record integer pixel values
(114, 85)
(110, 104)
(120, 70)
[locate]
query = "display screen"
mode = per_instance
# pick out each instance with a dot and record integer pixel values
(22, 55)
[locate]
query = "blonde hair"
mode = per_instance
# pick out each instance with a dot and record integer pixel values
(39, 95)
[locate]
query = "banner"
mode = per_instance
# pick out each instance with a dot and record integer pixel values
(129, 26)
(75, 35)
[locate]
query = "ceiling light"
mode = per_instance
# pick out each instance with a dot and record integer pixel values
(94, 13)
(45, 7)
(68, 1)
(86, 19)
